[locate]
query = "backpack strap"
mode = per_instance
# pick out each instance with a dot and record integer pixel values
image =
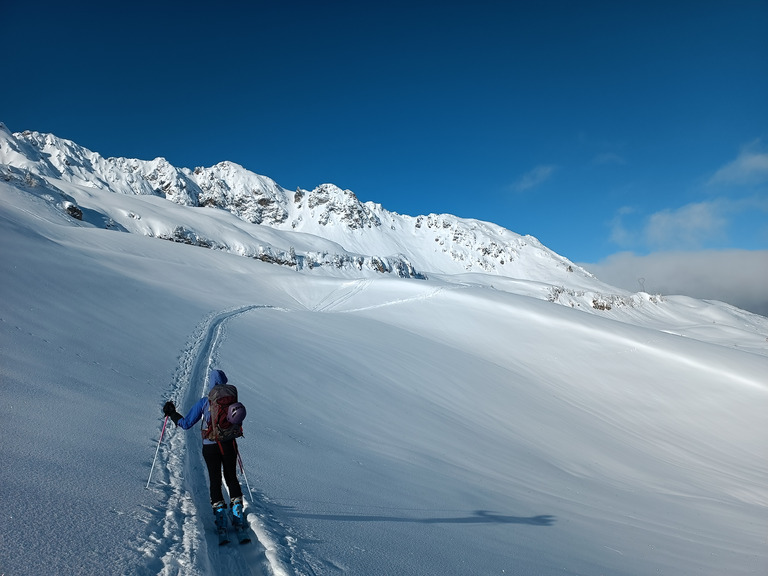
(234, 445)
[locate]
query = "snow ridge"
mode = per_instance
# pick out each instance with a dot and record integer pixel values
(367, 236)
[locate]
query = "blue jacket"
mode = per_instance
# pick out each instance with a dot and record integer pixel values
(201, 409)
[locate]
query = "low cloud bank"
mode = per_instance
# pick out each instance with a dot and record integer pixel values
(738, 277)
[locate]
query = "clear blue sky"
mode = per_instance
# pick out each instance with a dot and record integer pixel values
(598, 127)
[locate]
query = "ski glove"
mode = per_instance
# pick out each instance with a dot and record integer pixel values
(169, 409)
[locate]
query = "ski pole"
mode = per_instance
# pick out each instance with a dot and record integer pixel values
(242, 471)
(156, 451)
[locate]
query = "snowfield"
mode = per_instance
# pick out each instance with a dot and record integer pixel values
(463, 424)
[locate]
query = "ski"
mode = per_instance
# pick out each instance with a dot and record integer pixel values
(242, 533)
(238, 520)
(221, 523)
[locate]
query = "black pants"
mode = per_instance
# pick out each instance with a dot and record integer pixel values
(218, 457)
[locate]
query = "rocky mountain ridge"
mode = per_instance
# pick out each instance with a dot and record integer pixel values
(362, 235)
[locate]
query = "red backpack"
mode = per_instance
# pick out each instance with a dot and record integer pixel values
(226, 414)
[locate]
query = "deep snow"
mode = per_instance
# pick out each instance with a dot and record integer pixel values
(457, 425)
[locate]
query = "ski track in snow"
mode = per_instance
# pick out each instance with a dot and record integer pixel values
(341, 295)
(186, 541)
(187, 530)
(424, 296)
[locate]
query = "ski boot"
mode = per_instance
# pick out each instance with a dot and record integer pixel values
(221, 522)
(238, 520)
(237, 511)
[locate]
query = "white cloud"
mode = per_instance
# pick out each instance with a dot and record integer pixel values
(750, 167)
(690, 226)
(738, 277)
(620, 234)
(535, 177)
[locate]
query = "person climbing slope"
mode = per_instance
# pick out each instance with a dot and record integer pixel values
(222, 417)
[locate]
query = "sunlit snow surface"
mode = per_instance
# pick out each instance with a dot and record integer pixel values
(463, 424)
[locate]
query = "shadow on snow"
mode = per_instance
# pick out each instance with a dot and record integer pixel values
(477, 517)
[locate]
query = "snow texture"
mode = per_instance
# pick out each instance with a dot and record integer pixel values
(426, 395)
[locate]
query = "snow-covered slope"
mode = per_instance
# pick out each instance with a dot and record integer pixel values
(471, 422)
